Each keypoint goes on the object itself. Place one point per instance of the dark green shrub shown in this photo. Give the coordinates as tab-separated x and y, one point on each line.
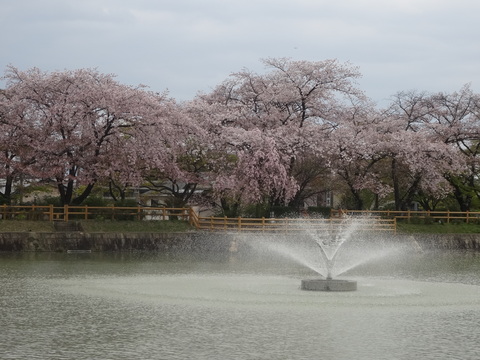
284	211
50	200
417	220
428	220
321	211
95	201
126	214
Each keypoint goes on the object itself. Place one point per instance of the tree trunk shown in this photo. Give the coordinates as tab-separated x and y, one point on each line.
81	198
462	191
7	193
464	199
396	186
358	200
65	195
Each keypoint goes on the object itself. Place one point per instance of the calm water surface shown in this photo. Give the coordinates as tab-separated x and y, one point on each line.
151	306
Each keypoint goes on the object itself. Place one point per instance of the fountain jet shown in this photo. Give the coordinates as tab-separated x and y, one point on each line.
329	245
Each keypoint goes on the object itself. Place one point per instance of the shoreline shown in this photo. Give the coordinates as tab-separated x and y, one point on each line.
190	240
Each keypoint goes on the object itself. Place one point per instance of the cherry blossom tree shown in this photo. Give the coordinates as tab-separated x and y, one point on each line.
455	119
272	138
448	120
356	151
13	157
418	165
260	172
419	160
390	153
190	162
268	121
80	125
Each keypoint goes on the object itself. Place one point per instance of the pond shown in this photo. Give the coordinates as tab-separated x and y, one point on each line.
197	306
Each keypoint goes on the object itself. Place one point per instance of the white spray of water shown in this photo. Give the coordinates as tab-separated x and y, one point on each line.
330	251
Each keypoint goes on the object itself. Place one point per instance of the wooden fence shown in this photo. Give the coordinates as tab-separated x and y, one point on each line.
67	213
439	216
291	224
376	220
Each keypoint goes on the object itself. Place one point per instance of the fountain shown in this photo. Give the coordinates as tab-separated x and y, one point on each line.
328	248
330	244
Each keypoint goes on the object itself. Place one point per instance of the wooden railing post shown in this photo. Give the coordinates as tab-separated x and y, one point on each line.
190	216
65	212
194	220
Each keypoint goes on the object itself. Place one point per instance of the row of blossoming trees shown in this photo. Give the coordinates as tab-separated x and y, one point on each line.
273	138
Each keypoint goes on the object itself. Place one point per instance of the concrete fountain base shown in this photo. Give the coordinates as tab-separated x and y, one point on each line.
328	285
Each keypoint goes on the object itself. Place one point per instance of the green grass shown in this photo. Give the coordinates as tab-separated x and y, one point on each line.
135	226
436	228
181	226
98	226
26	225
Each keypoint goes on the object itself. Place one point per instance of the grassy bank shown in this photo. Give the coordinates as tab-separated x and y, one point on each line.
180	226
436	228
98	226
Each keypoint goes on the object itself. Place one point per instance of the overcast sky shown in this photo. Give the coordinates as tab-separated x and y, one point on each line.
187	46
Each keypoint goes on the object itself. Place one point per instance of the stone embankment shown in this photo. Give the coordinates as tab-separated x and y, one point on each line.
97	242
196	241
